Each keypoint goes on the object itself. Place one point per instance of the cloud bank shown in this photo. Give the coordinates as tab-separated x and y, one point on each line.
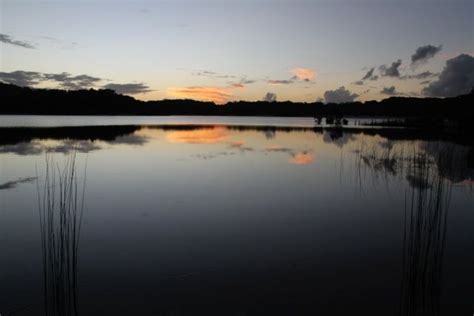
340	95
456	78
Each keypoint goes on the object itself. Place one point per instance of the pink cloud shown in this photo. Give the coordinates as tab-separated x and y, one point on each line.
306	74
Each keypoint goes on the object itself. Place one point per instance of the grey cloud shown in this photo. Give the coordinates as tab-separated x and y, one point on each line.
423	53
128	88
212	74
281	81
4	38
370	75
421	75
359	83
389	90
67	81
270	97
340	95
456	78
21	78
392	70
247	81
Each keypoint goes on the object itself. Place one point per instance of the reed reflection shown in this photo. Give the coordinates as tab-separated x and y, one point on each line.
61	207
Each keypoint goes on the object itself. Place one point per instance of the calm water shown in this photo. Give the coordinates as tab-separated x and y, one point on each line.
225	216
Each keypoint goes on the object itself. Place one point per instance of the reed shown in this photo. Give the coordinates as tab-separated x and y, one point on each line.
61	208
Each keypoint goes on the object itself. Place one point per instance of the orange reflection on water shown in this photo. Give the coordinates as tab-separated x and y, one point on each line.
198	136
301	158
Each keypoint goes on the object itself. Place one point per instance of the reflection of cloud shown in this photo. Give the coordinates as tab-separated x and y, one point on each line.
278	148
200	136
240	146
217	95
13	184
36	147
133	139
301	158
305	74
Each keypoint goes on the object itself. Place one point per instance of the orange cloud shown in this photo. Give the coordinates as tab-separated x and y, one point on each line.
199	136
217	95
304	73
302	158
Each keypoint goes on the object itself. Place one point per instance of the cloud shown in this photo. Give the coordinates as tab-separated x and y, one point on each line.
290	81
217	95
389	91
67	81
64	80
4	38
298	74
340	95
301	158
392	70
305	74
270	97
198	136
212	74
421	75
242	83
423	53
359	83
370	75
21	78
128	88
456	78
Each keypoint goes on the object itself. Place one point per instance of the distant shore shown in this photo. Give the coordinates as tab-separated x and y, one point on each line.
403	111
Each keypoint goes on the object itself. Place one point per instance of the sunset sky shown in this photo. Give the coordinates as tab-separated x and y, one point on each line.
241	50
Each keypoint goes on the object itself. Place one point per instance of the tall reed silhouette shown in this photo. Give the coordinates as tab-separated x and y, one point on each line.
426	214
61	207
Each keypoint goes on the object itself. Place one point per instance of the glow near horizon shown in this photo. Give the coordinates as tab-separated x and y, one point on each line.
173	47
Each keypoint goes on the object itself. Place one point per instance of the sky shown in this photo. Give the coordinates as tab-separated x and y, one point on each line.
230	50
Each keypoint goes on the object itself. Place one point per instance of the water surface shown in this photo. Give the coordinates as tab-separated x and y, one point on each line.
224	216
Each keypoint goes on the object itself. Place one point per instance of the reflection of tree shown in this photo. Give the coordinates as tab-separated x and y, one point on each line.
426	215
61	207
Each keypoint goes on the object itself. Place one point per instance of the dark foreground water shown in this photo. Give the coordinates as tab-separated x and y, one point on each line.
233	218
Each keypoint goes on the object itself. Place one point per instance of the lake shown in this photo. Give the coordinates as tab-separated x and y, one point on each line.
232	216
